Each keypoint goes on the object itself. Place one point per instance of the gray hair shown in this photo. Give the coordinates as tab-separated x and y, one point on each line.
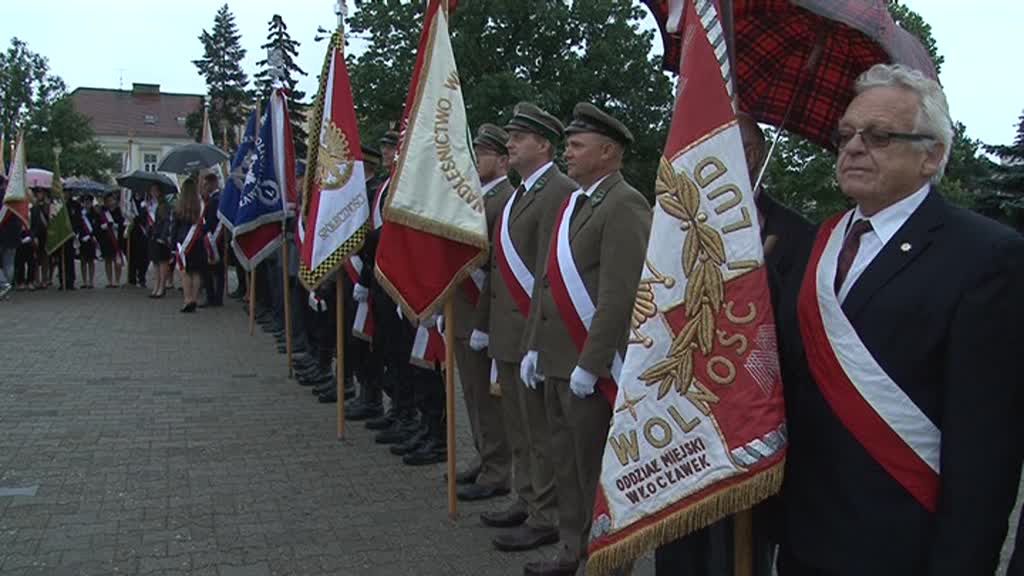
933	110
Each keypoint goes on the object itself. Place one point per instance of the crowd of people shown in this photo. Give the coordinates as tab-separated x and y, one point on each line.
930	290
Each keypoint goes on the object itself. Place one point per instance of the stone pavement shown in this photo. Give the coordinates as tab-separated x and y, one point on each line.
135	440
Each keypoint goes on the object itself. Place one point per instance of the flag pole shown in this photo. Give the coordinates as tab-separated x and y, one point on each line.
339	365
287	300
252	301
449	395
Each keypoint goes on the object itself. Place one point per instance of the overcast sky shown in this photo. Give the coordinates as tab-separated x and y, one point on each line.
111	43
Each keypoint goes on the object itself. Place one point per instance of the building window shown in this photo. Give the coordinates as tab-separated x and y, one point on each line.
181	120
149	162
149	119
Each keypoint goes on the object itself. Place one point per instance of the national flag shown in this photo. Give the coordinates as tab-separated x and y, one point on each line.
231	195
59	229
334	208
259	220
16	196
435	231
207	138
698	429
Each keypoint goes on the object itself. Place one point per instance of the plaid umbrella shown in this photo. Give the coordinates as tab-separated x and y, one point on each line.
796	60
801	57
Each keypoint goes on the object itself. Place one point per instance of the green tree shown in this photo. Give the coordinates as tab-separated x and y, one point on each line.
279	42
60	124
553	53
25	84
803	175
221	66
1007	178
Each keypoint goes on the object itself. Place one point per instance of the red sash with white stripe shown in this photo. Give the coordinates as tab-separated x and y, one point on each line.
570	293
110	226
428	348
185	248
210	240
876	411
87	223
517	276
362	325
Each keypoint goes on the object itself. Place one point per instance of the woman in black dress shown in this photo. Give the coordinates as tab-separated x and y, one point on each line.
84	223
187	232
158	219
109	231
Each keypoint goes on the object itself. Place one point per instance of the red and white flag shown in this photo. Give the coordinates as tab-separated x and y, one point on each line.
698	429
16	198
435	230
335	209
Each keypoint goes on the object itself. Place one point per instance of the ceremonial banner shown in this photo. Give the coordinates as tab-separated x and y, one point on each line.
335	210
207	138
16	198
260	215
435	231
698	429
59	230
227	208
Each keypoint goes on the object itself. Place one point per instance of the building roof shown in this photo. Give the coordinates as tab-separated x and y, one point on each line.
141	111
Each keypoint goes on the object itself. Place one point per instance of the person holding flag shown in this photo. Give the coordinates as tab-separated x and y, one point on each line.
519	246
14	217
579	318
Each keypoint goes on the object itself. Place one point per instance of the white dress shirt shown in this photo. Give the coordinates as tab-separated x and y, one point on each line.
484	189
884	225
590	191
530	180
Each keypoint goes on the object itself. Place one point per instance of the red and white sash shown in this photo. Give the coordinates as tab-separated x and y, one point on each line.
150	214
517	276
378	216
111	228
571	296
362	325
428	348
876	411
210	241
185	248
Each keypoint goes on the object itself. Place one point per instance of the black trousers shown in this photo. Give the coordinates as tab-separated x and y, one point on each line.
213	283
428	390
24	263
139	262
66	260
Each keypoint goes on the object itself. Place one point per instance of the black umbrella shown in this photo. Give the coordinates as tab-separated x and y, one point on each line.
84	186
189	158
140	181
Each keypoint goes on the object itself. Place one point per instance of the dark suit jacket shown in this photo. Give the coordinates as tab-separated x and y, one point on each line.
943	319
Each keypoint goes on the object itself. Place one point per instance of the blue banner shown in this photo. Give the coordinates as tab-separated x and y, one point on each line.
227	210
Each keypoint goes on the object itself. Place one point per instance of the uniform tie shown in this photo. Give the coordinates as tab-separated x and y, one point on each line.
517	196
849	251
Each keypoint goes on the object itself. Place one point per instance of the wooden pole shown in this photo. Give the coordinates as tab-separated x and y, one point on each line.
449	395
339	365
743	543
64	266
252	301
287	302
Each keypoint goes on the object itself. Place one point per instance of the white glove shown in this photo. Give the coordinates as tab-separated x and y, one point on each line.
440	324
398	310
317	304
528	370
582	382
360	293
479	340
429	322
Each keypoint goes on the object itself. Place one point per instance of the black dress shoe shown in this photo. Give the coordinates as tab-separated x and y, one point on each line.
551	568
475	492
382	422
509	518
315	380
430	452
411	445
362	411
324	388
467	476
328	398
526	538
398	432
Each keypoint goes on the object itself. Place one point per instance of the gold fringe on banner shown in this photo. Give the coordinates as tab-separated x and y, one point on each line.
727	502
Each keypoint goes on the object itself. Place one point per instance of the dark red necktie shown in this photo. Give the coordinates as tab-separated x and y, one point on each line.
849	250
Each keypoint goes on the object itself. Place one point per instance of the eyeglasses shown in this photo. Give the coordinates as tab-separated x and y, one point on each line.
874	137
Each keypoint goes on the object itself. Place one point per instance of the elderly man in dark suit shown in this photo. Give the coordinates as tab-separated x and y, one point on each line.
899	354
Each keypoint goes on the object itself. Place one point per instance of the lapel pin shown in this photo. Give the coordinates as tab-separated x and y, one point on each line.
905	247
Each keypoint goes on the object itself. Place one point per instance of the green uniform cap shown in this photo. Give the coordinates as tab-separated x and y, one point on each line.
492	137
528	117
589	118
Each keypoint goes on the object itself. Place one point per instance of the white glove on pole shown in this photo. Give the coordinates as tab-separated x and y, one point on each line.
316	304
479	340
582	382
360	293
528	370
429	322
440	324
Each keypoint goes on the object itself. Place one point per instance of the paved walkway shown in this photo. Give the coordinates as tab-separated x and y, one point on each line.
135	440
